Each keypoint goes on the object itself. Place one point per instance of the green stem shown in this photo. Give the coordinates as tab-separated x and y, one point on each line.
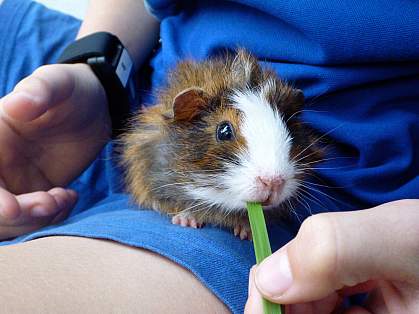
261	245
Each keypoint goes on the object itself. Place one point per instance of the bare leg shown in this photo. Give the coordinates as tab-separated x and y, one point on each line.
79	275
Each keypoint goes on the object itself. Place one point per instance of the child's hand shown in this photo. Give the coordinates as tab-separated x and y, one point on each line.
28	212
52	126
338	254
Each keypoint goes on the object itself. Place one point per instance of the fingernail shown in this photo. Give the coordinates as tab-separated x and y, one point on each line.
273	276
251	276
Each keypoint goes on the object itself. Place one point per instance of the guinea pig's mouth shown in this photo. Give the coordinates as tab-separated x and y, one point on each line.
269	190
266	205
269	199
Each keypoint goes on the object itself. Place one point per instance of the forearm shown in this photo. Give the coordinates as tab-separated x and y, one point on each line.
128	20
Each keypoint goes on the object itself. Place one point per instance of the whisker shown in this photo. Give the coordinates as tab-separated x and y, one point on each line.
188	209
325	194
304	157
323	185
325	168
311	174
327	159
300	200
170	184
301	111
294	211
318	139
204	170
313	198
320	160
312	101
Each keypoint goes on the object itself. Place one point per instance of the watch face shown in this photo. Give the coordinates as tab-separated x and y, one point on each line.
124	68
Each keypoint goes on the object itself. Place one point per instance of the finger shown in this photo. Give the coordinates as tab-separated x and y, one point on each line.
326	305
375	303
57	204
335	250
33	96
359	288
359	310
39	208
254	303
71	201
38	204
65	198
45	204
62	215
9	207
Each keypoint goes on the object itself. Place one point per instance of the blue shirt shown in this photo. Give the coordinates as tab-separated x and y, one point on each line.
357	63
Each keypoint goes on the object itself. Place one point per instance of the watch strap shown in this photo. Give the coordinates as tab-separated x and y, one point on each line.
113	66
100	44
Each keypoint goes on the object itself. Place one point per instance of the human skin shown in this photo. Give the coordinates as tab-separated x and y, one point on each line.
81	275
41	127
54	114
336	254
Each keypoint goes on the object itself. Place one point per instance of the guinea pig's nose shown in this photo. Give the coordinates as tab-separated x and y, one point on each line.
273	183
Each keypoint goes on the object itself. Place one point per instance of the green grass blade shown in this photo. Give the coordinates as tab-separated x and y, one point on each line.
261	245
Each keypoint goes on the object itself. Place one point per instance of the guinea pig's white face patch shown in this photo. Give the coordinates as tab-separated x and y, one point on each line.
265	155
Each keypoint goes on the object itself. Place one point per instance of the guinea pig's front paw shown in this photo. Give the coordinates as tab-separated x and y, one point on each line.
243	231
186	220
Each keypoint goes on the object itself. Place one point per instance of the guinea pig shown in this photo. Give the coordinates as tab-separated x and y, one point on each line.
225	131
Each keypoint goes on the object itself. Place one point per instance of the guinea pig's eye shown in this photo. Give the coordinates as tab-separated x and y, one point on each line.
225	131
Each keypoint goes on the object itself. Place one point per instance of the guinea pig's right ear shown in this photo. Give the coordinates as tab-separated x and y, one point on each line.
245	69
189	103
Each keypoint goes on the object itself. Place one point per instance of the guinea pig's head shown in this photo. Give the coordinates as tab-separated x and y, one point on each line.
243	142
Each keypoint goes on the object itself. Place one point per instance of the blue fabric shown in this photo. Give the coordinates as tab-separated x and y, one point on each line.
357	62
32	35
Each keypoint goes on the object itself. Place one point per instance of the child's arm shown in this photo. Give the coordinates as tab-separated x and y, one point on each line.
74	101
128	20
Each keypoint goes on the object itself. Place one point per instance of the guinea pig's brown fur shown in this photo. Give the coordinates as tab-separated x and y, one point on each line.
172	143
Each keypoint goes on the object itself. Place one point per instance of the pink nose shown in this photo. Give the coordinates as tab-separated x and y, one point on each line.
271	183
270	188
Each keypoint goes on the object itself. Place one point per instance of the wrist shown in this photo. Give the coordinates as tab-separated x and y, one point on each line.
114	68
90	96
138	32
90	76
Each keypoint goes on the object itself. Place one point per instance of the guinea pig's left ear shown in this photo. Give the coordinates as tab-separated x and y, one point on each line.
189	103
298	97
293	103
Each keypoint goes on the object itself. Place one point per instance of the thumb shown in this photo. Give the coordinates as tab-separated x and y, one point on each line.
336	250
47	87
33	96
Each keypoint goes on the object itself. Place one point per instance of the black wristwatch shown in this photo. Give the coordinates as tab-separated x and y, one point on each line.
113	66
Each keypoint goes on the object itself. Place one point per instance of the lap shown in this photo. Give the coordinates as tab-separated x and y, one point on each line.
53	269
75	274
